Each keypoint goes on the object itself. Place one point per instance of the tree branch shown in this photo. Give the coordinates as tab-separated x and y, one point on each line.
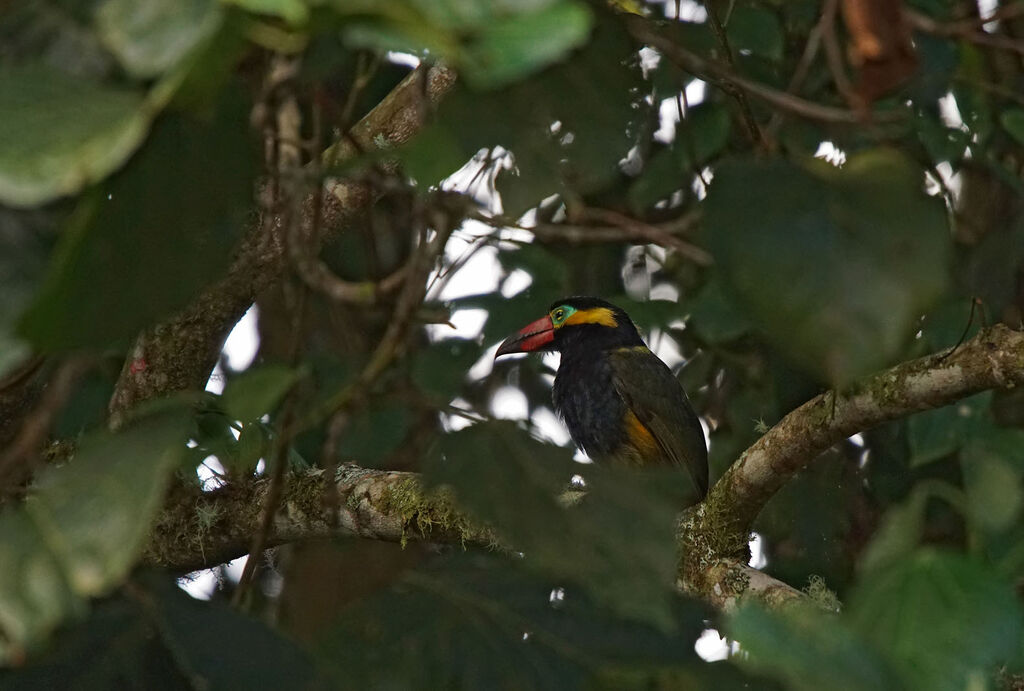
202	529
711	71
180	353
994	359
970	31
726	581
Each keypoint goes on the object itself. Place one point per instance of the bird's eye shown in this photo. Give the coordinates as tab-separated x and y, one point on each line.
559	315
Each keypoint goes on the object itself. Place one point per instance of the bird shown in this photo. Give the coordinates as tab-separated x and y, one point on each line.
619	401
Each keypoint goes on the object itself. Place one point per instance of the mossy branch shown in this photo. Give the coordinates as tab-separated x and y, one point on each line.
994	359
202	529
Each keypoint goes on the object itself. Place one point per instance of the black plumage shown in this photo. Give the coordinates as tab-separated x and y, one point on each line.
620	402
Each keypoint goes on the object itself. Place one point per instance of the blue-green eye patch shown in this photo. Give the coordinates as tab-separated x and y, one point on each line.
560	314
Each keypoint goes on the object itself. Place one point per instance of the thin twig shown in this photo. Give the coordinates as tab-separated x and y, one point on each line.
803	65
966	32
329	462
975	303
1006	11
711	71
390	345
18	461
270	503
615	227
21	373
683	100
741	98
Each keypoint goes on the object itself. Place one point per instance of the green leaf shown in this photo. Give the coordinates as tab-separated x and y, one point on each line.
899	532
253	444
510	49
152	36
943	143
715	317
157	637
835	266
34	592
504	315
951	321
440	369
808	649
224	648
617	544
992	480
59	133
295	12
940	617
934	434
94	513
374	433
491	44
473	622
145	243
82	529
24	245
257	391
756	31
661	177
973	103
1012	120
592	94
546	268
809	520
707	127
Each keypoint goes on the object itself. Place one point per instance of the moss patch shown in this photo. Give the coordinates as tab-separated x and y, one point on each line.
820	594
425	513
705	535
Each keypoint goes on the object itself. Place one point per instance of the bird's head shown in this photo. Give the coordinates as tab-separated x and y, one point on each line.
575	322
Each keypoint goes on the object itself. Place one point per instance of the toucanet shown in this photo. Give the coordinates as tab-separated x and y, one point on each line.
621	403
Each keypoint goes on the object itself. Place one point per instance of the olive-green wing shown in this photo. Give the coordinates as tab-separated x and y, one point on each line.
652	392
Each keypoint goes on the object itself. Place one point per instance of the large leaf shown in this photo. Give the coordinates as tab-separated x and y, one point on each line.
152	36
715	317
942	618
593	96
24	245
492	44
84	525
484	622
936	433
294	12
144	243
59	133
509	49
756	31
156	636
257	391
618	543
440	369
809	649
993	465
808	520
375	432
899	532
834	265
